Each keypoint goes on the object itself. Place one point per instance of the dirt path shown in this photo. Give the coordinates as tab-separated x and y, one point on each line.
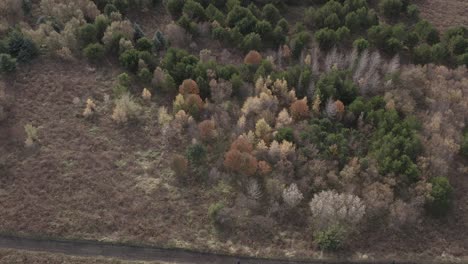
140	253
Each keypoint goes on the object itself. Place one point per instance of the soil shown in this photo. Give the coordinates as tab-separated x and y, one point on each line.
10	256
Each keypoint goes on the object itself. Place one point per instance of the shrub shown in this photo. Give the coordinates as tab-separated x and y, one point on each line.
194	10
125	109
144	44
214	210
337	85
196	153
94	52
330	208
7	63
159	42
20	47
214	14
439	53
240	162
122	5
110	8
145	75
264	28
326	38
395	143
292	196
343	34
284	133
207	130
299	43
332	21
441	195
300	109
463	59
101	23
175	7
391	8
271	13
412	11
464	145
189	86
179	165
187	24
90	108
87	34
427	32
331	238
422	54
361	44
253	58
252	41
262	129
129	59
146	95
31	135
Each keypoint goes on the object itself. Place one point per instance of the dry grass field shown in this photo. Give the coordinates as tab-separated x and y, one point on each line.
444	13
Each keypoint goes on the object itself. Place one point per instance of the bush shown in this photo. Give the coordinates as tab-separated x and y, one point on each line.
264	28
175	7
299	43
7	63
326	38
271	13
253	58
330	208
240	162
125	109
285	133
412	11
395	143
94	52
87	34
441	195
330	239
159	41
252	41
361	44
129	59
427	32
300	109
189	86
20	47
101	23
242	18
145	75
179	165
194	10
439	53
422	54
214	14
214	210
337	85
292	196
343	34
464	145
391	8
196	153
144	44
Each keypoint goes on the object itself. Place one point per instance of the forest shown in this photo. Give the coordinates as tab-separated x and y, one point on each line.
261	128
